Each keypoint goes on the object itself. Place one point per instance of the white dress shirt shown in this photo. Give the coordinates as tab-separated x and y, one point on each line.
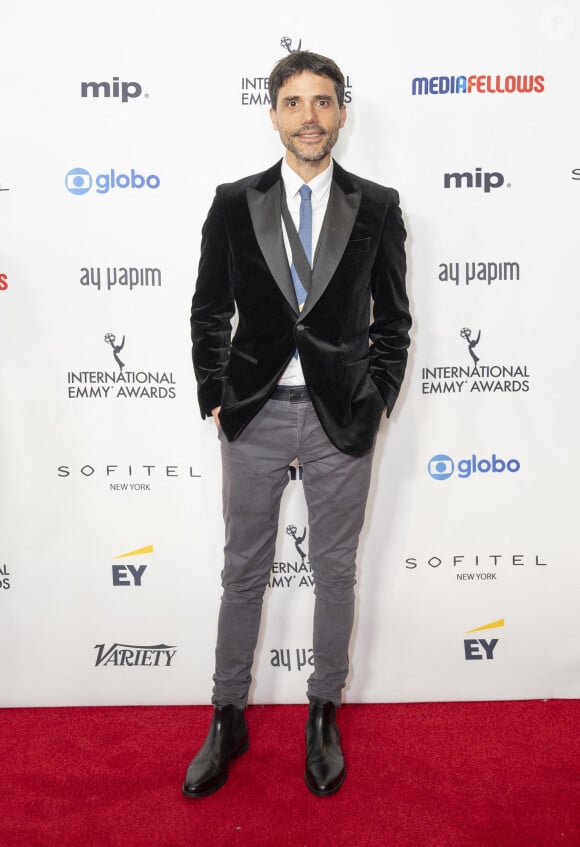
320	187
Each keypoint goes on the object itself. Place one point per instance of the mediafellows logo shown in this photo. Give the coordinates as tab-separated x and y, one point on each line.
479	84
482	648
118	90
441	466
79	181
3	282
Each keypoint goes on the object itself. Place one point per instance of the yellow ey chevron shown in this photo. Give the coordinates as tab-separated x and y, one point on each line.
139	552
493	625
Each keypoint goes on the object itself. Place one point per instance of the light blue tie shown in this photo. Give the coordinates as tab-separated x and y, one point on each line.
305	235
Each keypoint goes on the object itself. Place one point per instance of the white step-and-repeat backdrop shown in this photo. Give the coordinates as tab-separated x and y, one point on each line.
118	120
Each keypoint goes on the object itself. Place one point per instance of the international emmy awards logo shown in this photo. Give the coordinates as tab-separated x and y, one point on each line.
471	342
287	44
293	532
110	339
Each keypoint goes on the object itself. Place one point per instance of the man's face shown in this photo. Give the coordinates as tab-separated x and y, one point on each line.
308	118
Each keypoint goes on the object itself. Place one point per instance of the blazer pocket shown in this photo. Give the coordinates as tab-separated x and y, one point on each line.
235	351
358	245
362	360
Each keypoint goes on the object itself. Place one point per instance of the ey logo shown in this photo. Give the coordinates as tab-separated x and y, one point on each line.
478	648
130	575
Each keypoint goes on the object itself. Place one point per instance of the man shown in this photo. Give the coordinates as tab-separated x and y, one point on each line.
307	376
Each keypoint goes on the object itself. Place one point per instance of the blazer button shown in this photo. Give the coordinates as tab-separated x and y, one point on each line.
300	328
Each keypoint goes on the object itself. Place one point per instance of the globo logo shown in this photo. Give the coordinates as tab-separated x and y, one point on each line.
442	466
79	181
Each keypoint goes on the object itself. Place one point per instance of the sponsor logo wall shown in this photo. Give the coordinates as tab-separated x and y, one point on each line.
110	492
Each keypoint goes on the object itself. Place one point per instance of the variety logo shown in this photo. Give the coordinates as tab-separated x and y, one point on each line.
130	575
465	273
121	383
3	282
127	278
479	83
297	573
442	466
116	89
477	378
293	660
478	179
576	173
135	655
4	578
79	181
3	187
481	648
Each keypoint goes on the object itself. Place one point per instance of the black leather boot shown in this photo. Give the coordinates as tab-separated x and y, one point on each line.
325	768
226	740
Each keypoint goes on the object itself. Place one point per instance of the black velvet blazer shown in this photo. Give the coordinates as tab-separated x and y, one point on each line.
353	360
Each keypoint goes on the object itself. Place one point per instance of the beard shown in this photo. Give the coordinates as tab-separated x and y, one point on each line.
306	153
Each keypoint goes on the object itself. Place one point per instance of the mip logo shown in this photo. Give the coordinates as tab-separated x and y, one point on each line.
442	466
80	181
123	91
477	648
479	179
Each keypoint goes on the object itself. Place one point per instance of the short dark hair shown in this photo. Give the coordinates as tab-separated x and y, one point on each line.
304	60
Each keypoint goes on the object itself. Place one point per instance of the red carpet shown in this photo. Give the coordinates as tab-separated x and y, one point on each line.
419	775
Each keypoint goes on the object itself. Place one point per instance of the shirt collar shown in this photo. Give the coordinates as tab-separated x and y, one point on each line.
319	185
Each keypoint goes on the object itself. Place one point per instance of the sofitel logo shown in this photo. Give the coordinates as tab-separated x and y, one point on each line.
135	655
120	383
474	568
477	377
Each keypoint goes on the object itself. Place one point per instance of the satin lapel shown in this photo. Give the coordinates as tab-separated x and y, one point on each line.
338	224
264	209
